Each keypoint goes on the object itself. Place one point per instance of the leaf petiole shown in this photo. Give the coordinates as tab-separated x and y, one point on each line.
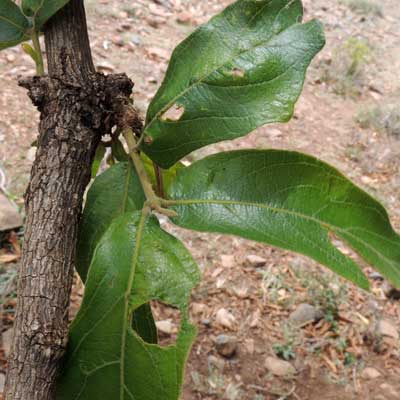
39	57
152	200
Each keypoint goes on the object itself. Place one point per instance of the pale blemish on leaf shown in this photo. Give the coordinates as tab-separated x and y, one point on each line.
174	113
238	72
148	140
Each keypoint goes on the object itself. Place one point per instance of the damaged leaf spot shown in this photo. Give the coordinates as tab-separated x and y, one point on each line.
341	245
237	72
148	140
174	113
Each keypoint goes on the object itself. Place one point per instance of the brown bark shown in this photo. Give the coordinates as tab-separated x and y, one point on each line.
75	105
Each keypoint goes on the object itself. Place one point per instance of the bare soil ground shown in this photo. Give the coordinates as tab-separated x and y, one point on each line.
351	120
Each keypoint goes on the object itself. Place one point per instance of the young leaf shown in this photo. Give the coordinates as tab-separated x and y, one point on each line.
243	69
289	200
28	49
98	157
42	10
113	193
135	262
168	175
118	151
13	24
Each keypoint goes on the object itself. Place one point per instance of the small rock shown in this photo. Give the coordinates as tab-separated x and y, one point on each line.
151	79
305	313
157	53
7	340
198	308
279	367
370	374
216	362
184	18
390	291
105	66
2	382
166	327
126	26
376	276
389	390
206	322
11	58
118	41
225	318
9	216
386	328
274	133
256	261
136	39
31	154
155	22
228	261
226	345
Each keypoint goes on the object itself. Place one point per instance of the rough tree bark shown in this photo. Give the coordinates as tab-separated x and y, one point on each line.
75	105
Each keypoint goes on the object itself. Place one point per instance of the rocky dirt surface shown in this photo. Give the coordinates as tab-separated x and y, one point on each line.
272	325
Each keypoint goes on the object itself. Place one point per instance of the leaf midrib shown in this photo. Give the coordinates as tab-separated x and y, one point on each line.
324	224
128	292
236	55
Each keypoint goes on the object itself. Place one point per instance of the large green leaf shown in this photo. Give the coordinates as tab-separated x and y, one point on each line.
42	10
113	193
13	24
243	69
289	200
135	262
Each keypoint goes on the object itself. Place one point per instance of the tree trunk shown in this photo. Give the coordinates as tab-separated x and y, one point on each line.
75	105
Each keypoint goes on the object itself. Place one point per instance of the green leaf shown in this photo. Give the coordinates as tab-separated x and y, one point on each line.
135	262
113	193
143	323
118	151
42	10
13	24
243	69
31	7
289	200
98	157
28	49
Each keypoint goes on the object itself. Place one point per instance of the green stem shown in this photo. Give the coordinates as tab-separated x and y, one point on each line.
153	201
38	50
